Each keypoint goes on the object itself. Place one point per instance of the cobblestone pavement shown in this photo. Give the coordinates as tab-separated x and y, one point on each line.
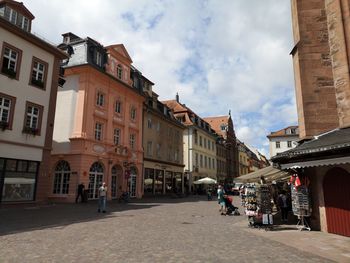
149	230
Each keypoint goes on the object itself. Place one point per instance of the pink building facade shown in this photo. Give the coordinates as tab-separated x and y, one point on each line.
98	125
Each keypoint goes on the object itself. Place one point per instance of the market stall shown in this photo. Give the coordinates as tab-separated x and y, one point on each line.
257	202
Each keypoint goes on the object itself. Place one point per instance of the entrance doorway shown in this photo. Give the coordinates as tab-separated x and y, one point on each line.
336	187
95	180
116	177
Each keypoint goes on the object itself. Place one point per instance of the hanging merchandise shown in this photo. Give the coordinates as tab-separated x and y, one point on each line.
258	206
301	205
297	182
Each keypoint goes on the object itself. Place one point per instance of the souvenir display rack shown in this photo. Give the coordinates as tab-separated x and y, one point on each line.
263	198
257	202
301	205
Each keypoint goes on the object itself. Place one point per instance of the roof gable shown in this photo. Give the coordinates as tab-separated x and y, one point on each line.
18	6
120	49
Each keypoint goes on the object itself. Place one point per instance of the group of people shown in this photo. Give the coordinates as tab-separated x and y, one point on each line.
102	196
282	202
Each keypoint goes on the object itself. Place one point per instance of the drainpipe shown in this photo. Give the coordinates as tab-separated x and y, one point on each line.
188	161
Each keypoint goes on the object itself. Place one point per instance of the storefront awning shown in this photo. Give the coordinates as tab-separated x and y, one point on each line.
331	161
270	174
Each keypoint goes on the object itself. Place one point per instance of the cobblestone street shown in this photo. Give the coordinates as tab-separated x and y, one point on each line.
149	230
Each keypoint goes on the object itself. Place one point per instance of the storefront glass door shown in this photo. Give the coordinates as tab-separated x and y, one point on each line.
132	182
95	180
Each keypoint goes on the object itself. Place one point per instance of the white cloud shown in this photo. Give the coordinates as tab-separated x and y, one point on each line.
218	55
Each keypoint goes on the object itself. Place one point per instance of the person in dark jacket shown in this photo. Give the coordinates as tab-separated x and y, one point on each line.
283	204
81	188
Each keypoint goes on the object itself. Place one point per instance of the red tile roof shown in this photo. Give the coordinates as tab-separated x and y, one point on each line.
216	122
282	132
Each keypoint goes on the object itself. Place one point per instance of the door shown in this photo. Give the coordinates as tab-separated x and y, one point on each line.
114	187
132	182
132	185
95	180
336	187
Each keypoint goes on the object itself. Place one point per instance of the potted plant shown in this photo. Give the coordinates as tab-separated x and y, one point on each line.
9	72
30	130
38	83
4	125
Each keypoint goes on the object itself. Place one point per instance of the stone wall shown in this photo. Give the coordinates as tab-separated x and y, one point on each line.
339	42
315	93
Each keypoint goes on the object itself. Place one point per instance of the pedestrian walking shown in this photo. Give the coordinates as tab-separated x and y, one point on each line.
283	206
102	198
221	200
81	188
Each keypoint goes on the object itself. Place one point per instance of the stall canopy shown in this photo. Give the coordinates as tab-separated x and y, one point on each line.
270	174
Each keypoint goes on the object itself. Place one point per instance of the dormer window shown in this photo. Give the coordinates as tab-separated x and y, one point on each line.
25	24
98	58
119	72
15	17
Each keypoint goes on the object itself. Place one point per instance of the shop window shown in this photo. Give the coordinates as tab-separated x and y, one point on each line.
62	177
149	181
19	180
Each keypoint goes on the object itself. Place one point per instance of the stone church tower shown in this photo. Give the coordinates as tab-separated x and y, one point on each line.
321	57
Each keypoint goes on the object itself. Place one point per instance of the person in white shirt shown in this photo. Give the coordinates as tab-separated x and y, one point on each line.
102	198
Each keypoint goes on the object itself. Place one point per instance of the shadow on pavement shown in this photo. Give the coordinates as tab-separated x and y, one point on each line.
36	217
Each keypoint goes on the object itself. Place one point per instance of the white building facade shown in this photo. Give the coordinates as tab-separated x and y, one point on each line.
29	76
283	140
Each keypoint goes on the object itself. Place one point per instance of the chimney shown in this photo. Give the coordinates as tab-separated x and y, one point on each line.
177	97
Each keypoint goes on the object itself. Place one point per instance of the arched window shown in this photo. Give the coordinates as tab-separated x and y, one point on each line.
62	176
95	179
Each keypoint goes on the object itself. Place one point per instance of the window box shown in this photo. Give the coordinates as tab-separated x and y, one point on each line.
37	83
30	130
9	72
4	125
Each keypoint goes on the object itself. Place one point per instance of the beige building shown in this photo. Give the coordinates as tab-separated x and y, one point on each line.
199	141
163	147
221	168
223	126
29	78
243	159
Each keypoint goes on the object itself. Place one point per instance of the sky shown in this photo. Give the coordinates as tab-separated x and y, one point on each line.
218	55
